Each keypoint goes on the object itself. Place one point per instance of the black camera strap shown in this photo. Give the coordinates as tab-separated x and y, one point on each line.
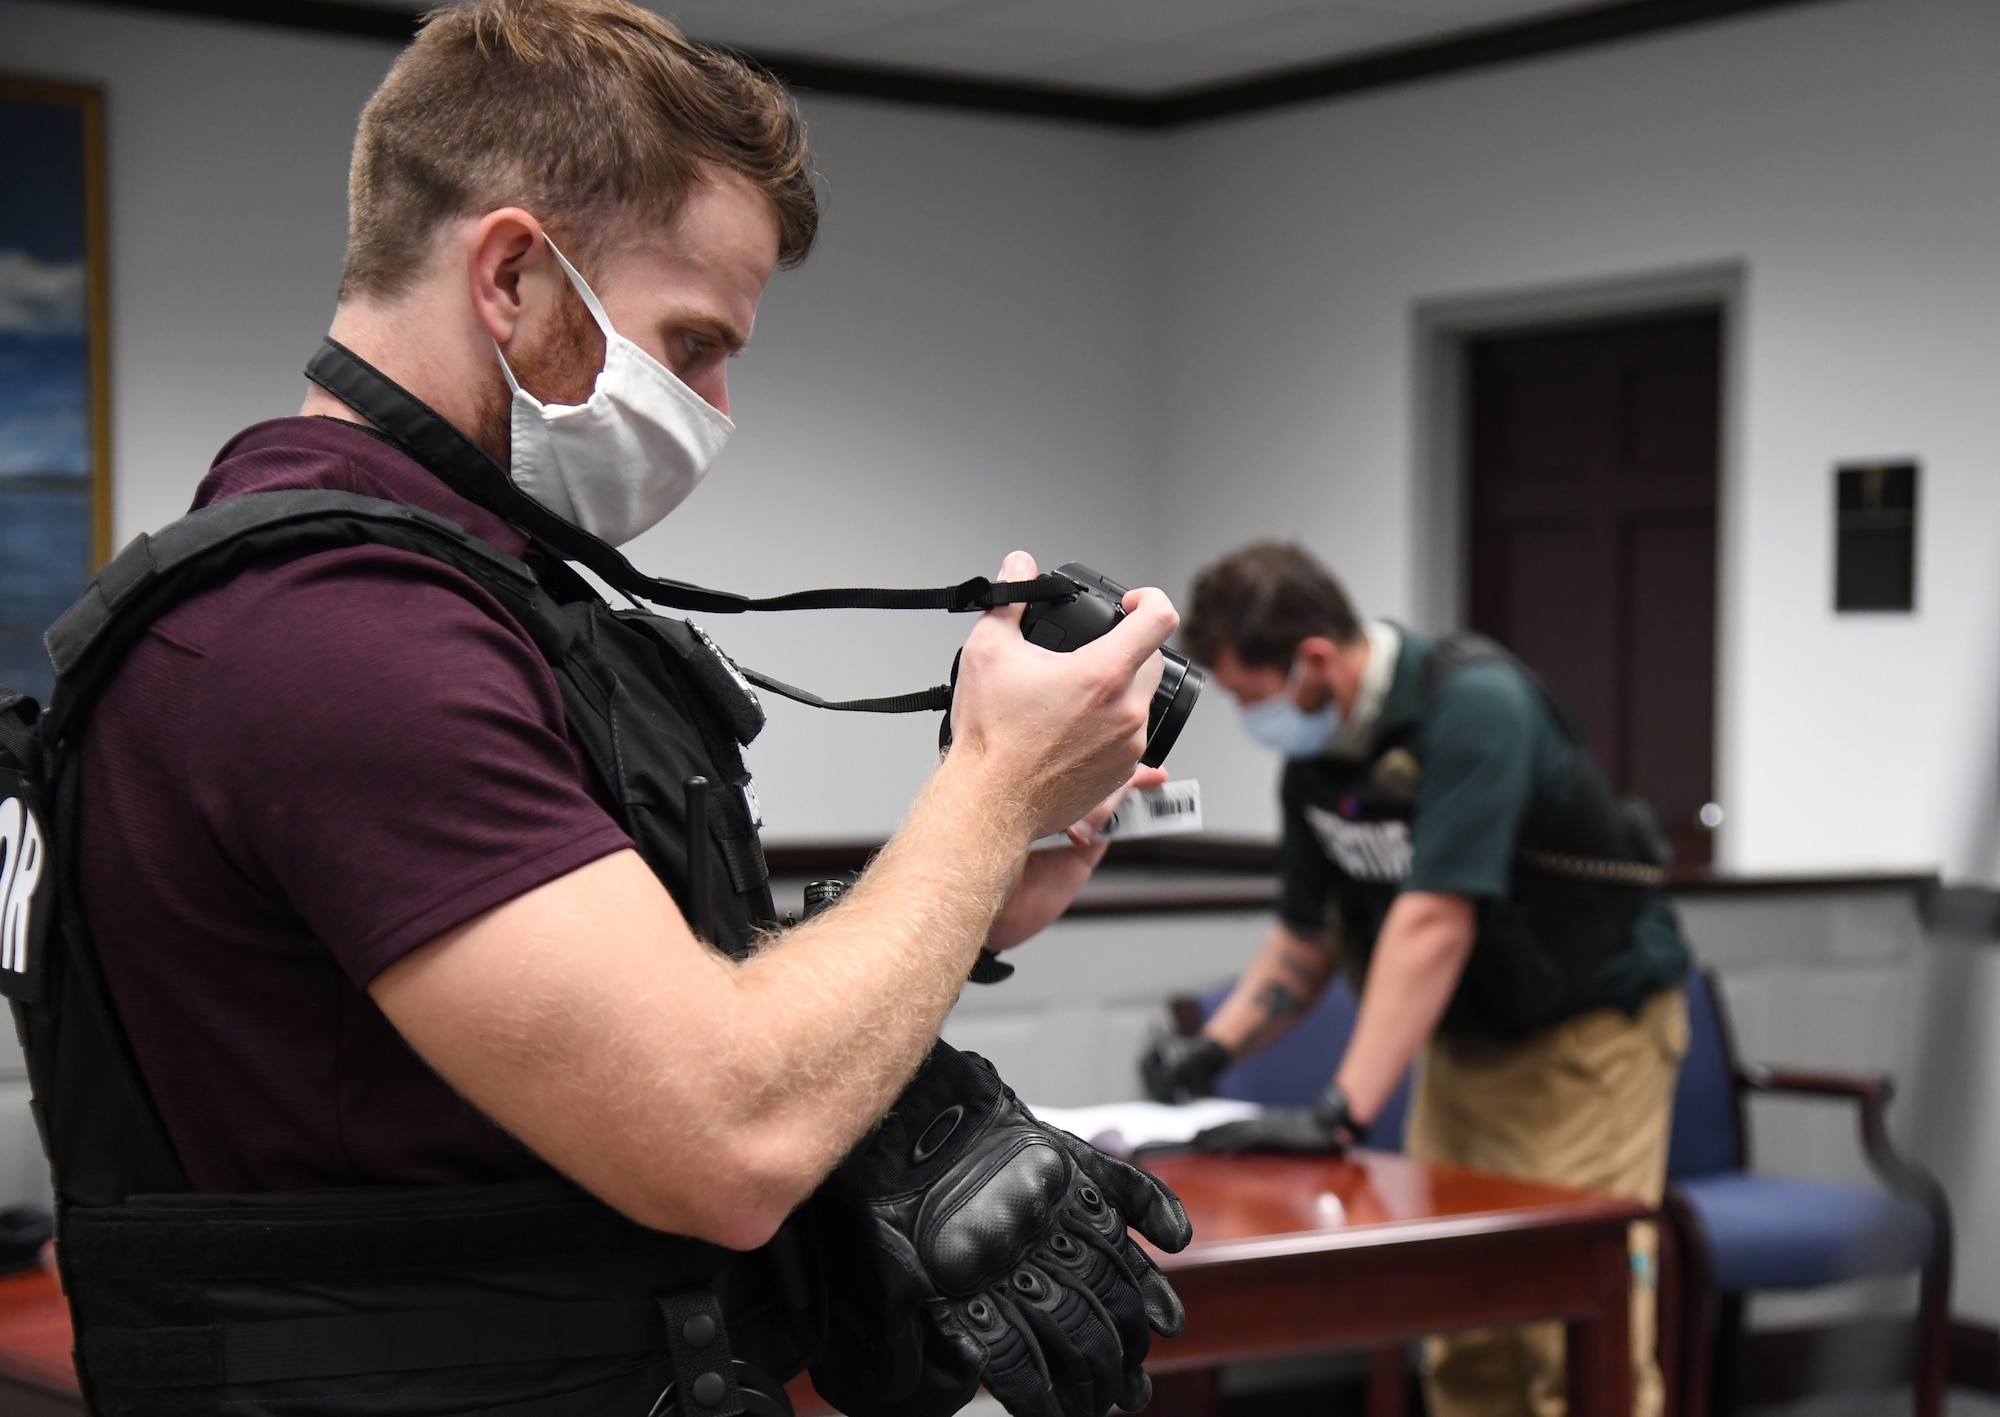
932	700
468	470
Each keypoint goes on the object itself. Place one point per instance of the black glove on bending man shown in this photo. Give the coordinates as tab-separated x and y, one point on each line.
1177	1069
969	1243
1326	1128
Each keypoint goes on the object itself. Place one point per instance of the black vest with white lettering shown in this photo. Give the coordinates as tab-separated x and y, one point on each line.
1572	898
533	1299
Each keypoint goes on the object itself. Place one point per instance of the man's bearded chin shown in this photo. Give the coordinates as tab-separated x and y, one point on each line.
560	368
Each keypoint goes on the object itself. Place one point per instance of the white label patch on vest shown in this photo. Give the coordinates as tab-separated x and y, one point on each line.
1367	851
23	857
736	674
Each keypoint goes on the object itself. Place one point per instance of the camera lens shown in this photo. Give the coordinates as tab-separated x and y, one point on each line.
1173	701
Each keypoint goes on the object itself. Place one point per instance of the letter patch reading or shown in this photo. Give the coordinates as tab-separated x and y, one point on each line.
1367	851
24	868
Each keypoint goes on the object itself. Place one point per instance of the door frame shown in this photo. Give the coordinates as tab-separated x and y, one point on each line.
1441	514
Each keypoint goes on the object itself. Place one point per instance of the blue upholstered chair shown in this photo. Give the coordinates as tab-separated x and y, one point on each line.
1738	1231
1295	1069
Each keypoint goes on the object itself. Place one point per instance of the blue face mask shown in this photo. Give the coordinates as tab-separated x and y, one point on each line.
1278	722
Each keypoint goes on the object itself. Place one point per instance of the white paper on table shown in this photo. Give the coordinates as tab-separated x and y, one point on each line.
1121	1128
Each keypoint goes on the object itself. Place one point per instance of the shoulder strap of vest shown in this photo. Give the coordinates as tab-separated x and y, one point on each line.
160	569
465	467
1635	817
100	1126
1462	650
112	1143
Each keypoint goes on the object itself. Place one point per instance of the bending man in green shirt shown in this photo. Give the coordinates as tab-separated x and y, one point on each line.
1449	841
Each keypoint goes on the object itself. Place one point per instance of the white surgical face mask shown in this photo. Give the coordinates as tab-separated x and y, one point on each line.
1278	722
619	462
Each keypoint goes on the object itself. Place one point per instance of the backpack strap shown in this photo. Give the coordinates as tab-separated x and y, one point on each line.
1636	817
1451	653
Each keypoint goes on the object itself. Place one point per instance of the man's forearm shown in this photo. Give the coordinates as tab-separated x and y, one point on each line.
709	1097
1418	958
1284	979
853	1000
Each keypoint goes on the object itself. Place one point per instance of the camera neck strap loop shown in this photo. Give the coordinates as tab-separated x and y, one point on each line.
470	471
933	700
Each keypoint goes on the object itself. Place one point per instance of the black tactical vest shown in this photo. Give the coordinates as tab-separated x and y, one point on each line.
528	1300
1572	899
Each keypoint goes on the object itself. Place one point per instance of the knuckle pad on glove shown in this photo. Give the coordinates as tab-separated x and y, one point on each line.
983	1226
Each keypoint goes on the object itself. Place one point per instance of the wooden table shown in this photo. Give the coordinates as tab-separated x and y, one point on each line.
1291	1256
35	1373
1297	1255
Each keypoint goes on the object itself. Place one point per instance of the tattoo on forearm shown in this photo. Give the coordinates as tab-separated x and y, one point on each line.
1276	1002
1307	974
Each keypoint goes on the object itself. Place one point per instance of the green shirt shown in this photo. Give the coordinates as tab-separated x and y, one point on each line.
1494	771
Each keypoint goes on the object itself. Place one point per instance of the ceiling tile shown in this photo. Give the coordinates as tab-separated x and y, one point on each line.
1138	47
789	27
1305	35
1140	22
1442	17
973	43
1147	70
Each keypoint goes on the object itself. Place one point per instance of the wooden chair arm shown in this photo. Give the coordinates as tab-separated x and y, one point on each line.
1871	1092
1869	1089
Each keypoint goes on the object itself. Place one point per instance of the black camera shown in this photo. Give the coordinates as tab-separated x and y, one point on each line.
1078	619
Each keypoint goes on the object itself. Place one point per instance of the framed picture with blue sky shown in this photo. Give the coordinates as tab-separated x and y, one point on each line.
55	438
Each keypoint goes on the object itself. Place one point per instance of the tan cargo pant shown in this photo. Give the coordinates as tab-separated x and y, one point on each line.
1585	1103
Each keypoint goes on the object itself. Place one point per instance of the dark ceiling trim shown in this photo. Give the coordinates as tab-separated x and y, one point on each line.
942	91
324	16
1576	29
1481	49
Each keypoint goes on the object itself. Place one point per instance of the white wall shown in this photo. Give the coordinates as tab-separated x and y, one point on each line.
1143	350
1842	153
960	368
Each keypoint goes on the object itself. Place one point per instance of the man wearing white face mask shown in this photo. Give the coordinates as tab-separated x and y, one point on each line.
624	458
1449	841
431	966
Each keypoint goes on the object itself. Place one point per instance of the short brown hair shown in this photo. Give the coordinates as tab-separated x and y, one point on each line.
583	112
1261	602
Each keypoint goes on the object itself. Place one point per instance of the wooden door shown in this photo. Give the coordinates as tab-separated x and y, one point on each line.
1594	453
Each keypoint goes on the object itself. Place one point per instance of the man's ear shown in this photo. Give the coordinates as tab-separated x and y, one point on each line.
1317	654
513	277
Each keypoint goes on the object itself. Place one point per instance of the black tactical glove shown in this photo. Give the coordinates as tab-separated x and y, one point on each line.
1176	1069
969	1243
1326	1128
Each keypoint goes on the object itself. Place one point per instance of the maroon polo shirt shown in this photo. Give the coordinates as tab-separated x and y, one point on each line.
297	778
